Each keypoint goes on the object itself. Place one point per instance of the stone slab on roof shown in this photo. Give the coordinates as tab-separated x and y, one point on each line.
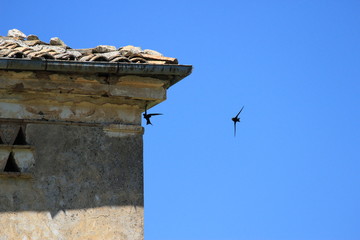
19	45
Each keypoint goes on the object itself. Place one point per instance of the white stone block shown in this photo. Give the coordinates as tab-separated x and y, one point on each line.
24	159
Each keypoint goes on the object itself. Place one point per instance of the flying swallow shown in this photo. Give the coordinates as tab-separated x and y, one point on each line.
236	119
148	116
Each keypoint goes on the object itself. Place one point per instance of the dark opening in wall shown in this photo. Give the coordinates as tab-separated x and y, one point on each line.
1	141
20	138
11	165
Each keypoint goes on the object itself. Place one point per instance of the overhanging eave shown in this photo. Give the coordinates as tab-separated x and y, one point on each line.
172	73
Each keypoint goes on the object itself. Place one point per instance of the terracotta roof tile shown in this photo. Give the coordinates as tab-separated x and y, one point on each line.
18	45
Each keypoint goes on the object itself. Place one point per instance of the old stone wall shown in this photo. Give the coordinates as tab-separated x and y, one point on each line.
71	164
84	184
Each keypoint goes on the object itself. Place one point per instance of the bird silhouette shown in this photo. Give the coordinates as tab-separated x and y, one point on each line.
236	119
148	116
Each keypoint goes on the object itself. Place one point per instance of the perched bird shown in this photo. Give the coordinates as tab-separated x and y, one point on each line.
148	116
236	119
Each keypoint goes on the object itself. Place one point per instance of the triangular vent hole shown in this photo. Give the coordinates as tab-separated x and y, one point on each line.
20	138
11	165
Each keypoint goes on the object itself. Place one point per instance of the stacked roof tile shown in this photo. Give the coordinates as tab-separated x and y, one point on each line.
18	45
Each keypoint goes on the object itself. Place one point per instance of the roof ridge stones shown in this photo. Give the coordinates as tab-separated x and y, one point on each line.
18	45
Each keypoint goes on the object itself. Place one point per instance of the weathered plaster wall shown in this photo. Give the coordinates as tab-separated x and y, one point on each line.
86	185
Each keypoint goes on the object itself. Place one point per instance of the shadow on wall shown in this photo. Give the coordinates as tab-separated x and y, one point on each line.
50	167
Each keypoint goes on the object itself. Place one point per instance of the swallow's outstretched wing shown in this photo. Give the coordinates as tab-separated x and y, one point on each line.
145	109
154	114
234	128
237	115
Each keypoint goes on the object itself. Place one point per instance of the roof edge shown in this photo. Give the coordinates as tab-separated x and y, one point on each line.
177	71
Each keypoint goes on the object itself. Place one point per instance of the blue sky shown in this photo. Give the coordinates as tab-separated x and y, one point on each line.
292	172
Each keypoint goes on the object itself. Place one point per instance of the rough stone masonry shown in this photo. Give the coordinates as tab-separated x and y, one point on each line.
71	146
